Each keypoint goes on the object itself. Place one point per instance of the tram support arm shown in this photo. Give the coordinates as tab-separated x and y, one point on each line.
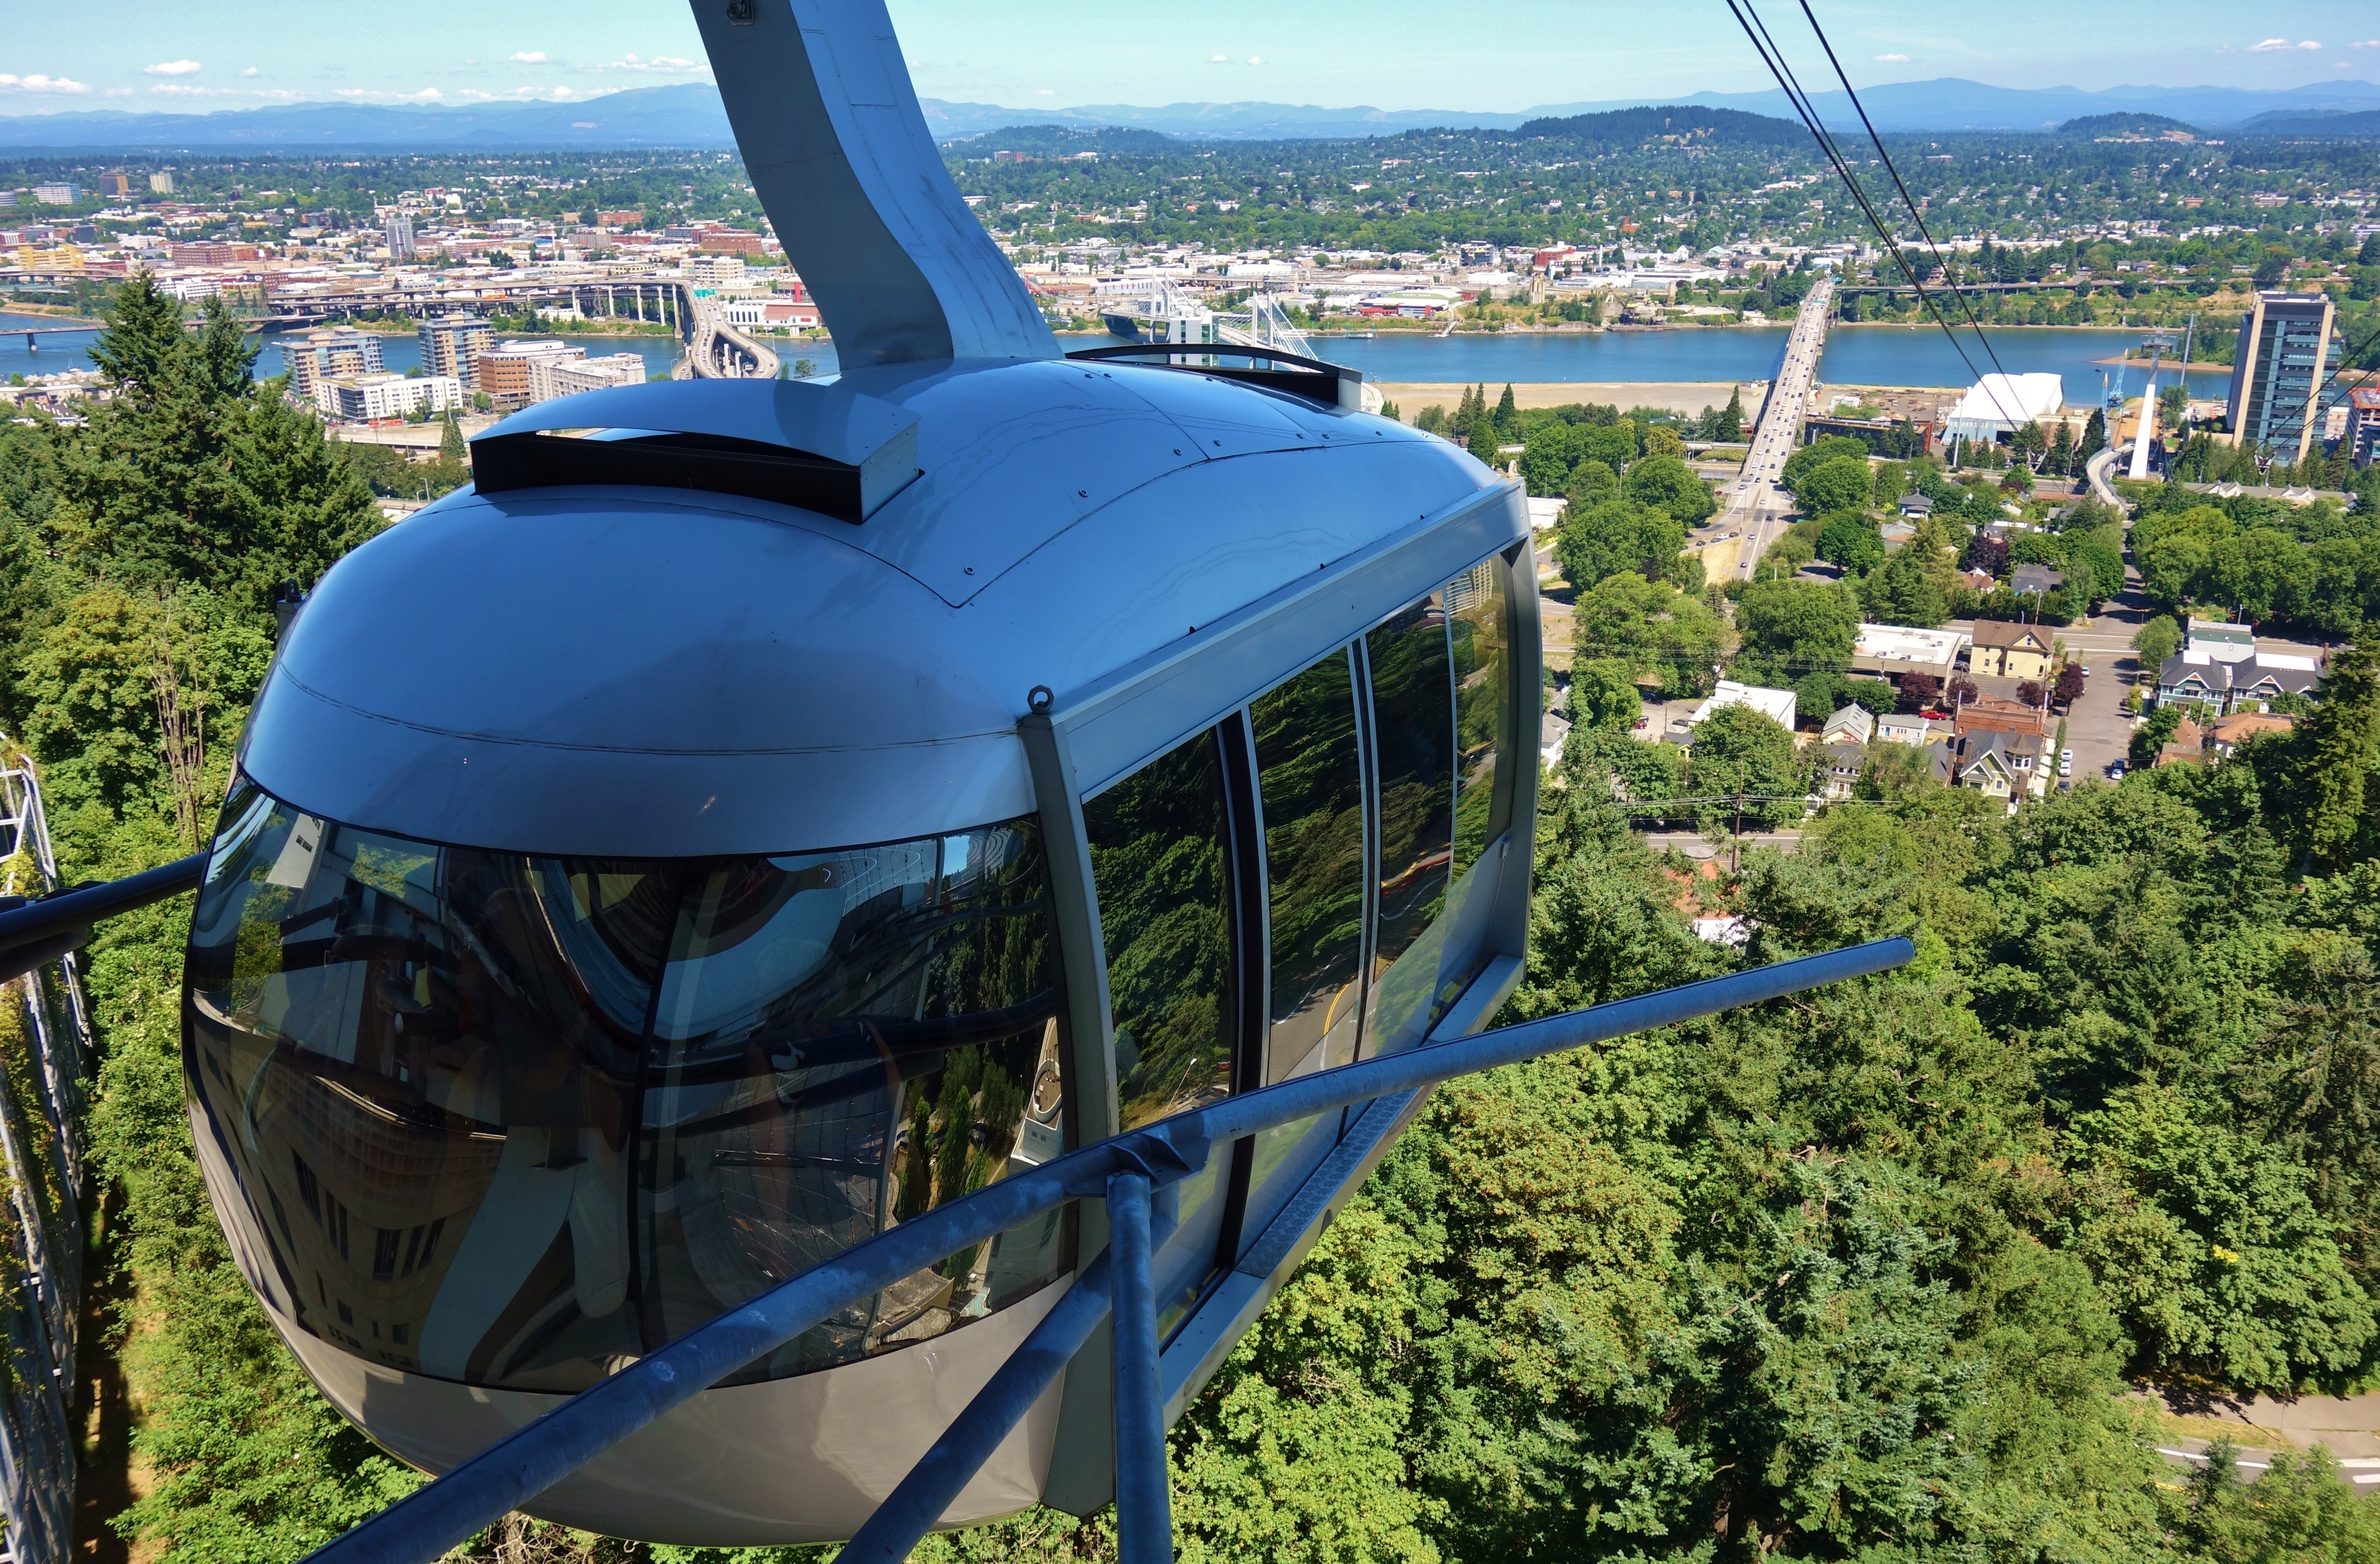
38	930
1144	1507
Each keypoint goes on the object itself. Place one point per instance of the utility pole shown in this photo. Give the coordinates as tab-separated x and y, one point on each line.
1736	860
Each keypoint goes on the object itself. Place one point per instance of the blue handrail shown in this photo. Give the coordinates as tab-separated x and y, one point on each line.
1124	1169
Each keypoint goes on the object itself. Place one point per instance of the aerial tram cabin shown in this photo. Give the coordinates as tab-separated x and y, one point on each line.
759	812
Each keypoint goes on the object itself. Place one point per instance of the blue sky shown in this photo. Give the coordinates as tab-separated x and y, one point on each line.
1389	53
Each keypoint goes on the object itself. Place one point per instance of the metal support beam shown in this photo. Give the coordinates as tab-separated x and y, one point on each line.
1144	1505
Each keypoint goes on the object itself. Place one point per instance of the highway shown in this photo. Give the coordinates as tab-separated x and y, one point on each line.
1758	510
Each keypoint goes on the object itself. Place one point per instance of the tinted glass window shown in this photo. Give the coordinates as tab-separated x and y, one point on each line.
1159	864
1310	780
1482	705
1157	860
1412	726
511	1120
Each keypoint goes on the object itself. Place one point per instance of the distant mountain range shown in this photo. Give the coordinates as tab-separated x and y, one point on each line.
688	115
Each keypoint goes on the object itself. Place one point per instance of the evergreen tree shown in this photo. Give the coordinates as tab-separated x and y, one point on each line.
2332	754
1508	417
450	442
1730	424
2094	436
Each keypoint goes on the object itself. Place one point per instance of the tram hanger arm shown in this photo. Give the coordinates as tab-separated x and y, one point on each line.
34	932
519	1467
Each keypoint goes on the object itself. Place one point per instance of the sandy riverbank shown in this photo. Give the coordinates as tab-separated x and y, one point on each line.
1683	397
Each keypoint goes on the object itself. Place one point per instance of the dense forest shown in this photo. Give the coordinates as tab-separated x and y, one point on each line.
1879	1272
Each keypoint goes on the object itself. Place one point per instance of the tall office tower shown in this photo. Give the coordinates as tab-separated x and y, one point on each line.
2283	340
160	183
449	344
399	229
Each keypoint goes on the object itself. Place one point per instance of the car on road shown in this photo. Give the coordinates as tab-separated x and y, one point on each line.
2086	670
2116	769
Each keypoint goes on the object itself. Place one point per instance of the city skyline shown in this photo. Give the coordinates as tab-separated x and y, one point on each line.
1068	53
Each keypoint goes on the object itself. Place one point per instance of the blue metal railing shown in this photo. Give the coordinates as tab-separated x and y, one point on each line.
1130	1172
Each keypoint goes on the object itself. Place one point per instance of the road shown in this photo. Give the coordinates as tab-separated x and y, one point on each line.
1758	510
2098	469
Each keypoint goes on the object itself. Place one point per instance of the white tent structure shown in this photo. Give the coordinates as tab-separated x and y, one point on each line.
1999	404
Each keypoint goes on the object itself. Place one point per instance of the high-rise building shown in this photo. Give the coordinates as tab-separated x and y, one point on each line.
325	356
115	183
399	232
2283	340
160	183
57	193
450	343
2362	440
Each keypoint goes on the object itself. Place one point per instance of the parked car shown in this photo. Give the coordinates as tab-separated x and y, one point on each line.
2116	770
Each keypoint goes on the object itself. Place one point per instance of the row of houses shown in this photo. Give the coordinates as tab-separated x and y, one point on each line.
2219	670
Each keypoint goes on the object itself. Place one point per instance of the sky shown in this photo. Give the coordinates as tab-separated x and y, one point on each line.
191	55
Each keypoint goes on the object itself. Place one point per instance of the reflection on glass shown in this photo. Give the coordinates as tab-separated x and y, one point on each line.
1157	860
1310	779
514	1120
1414	732
1413	728
1483	705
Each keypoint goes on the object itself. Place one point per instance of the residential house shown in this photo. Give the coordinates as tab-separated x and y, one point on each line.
2007	651
1915	732
2187	745
1838	769
2226	735
2193	676
1915	507
2004	765
2037	579
1852	724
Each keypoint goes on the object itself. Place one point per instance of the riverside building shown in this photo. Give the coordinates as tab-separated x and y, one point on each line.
2283	340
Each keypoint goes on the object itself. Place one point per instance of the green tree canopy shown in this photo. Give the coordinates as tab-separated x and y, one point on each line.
1843	483
1656	630
1793	627
1850	539
1602	540
1666	482
1737	749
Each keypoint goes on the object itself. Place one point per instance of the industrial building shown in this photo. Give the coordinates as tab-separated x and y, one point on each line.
2283	340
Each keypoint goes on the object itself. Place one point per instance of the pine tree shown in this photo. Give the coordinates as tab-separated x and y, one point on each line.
1508	416
2094	436
2332	753
449	443
1731	418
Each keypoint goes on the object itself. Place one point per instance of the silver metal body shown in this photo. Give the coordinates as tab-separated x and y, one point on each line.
635	672
1011	580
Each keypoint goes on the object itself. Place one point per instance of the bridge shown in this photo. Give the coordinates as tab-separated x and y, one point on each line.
717	350
1759	508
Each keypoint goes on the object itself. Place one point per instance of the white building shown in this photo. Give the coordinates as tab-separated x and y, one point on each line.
568	377
1895	650
354	399
1776	704
398	231
1999	404
58	193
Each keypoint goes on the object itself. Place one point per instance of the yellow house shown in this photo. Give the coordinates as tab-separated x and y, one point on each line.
2011	651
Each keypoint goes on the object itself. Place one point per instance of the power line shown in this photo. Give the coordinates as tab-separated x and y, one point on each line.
1757	33
1919	216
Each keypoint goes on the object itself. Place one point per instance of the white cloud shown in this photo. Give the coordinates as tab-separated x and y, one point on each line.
1893	59
665	65
1255	59
176	90
427	95
172	67
1218	59
2309	44
2269	46
37	82
527	58
2365	44
1045	92
252	71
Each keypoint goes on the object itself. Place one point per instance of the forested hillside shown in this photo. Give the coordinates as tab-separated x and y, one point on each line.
1873	1273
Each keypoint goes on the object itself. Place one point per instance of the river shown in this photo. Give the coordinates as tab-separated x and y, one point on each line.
1865	355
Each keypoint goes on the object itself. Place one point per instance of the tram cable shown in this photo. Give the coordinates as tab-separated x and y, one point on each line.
1757	32
1915	213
